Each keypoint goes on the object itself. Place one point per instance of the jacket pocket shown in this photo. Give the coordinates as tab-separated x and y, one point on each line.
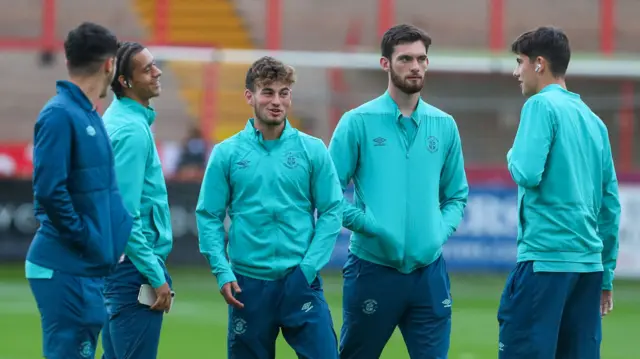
241	246
161	222
97	246
521	217
444	229
384	243
151	231
121	224
88	180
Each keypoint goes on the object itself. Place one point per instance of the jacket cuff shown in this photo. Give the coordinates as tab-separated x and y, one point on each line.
225	278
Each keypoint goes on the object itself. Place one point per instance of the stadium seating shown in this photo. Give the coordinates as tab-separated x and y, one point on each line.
211	23
324	26
307	25
27	86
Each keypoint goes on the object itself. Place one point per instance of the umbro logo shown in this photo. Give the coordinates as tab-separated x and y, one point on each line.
307	307
379	141
243	163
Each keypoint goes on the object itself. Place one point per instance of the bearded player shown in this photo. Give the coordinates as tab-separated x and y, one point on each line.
405	160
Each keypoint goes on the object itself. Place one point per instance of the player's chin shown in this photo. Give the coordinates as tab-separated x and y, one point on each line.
411	89
155	86
275	120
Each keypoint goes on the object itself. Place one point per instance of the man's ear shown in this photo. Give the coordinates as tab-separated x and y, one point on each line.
110	65
540	64
248	96
385	64
123	81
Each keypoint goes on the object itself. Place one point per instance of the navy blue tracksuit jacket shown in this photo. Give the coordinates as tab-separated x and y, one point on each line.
84	226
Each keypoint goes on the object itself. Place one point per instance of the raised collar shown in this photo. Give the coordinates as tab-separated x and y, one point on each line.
134	107
558	88
255	134
64	86
420	108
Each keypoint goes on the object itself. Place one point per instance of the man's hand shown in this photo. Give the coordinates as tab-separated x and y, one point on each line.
606	302
163	298
228	291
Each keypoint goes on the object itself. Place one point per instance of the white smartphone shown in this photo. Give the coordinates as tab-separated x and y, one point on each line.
147	296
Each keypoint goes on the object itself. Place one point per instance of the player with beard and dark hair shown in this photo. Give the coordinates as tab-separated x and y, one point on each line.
405	159
283	197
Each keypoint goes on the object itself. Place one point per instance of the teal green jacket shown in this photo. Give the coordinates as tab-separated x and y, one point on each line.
142	185
270	191
568	203
410	191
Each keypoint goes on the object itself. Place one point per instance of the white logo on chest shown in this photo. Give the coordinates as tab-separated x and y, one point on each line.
91	131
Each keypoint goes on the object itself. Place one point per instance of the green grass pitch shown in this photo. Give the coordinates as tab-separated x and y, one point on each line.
198	323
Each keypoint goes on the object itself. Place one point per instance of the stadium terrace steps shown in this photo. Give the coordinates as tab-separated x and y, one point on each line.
209	23
118	16
20	19
232	110
453	24
27	86
199	22
23	92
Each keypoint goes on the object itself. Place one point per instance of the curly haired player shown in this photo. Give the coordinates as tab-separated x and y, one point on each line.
271	178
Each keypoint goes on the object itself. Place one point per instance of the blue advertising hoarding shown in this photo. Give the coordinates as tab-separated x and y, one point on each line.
484	241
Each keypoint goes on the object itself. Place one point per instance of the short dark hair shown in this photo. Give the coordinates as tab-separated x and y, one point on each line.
402	34
124	58
550	43
267	70
87	47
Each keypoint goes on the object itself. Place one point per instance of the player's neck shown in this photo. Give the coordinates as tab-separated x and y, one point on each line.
552	81
90	86
269	132
406	102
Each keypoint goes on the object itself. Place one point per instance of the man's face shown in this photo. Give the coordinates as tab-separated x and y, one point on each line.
145	76
110	71
526	74
270	102
407	67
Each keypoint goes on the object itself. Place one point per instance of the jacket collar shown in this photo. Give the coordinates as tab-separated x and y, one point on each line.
421	108
556	87
255	134
136	108
68	87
